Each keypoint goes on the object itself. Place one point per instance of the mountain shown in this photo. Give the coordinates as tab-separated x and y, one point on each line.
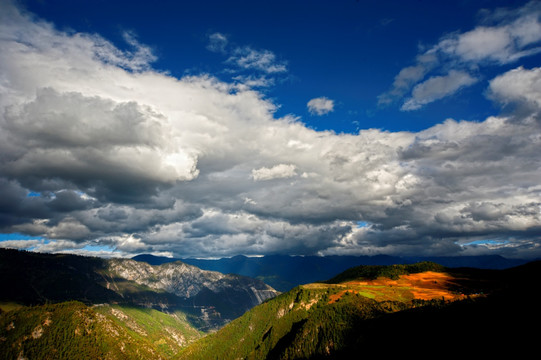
423	310
285	272
227	296
68	306
73	330
211	299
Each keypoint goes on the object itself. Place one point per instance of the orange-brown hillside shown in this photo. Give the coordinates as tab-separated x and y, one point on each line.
422	286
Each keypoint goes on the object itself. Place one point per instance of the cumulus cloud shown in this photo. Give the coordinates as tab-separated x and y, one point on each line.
202	167
513	36
320	106
502	37
519	85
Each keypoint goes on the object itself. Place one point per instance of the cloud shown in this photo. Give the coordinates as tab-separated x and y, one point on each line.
253	81
437	87
202	167
503	37
407	77
217	42
279	171
20	244
141	57
495	44
249	67
519	85
261	60
90	141
320	106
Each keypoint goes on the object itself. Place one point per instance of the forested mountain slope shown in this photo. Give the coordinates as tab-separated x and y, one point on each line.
423	310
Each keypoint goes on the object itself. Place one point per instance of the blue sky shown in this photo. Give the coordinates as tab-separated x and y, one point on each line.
216	128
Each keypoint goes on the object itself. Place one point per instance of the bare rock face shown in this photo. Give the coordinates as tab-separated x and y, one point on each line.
178	278
229	295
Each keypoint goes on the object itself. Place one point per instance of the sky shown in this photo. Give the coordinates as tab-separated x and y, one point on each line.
212	129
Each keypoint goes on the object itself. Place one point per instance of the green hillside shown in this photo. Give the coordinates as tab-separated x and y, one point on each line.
72	330
297	324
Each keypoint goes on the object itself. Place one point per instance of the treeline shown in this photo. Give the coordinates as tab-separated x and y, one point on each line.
59	331
72	330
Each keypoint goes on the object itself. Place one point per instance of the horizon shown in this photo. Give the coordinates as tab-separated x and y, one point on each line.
285	128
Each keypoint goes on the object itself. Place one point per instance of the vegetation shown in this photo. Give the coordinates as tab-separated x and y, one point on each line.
61	331
165	333
72	330
298	324
34	278
365	311
335	321
387	271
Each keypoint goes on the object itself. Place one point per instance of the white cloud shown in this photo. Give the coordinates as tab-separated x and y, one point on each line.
481	44
513	36
250	68
407	77
504	37
279	171
437	87
320	106
261	60
518	86
503	44
20	244
142	56
253	81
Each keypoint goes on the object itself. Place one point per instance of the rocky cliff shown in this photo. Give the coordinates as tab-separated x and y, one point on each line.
225	296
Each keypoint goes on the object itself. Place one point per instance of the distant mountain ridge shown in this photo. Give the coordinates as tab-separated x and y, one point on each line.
285	272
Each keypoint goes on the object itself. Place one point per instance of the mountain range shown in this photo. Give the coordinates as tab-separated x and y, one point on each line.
284	272
210	298
75	307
